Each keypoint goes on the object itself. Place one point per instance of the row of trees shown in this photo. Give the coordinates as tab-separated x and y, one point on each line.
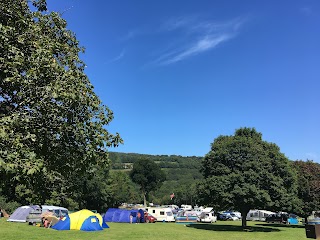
120	160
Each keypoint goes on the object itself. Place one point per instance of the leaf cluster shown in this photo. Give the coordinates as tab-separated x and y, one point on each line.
147	174
244	172
52	124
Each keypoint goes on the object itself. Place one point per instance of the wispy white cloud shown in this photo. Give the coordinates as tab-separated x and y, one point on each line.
184	37
202	36
117	58
204	44
176	23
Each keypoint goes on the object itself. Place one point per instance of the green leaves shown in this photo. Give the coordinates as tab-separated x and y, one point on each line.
51	120
244	172
147	174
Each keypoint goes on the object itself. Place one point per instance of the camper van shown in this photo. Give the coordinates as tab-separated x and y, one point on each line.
258	215
162	214
35	217
186	207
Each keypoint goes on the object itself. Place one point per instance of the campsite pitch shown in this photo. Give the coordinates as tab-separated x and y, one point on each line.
158	231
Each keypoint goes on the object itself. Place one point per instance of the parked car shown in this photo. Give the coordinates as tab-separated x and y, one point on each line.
207	217
224	217
149	218
235	217
277	218
35	217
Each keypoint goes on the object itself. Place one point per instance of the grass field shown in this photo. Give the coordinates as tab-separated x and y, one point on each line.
157	231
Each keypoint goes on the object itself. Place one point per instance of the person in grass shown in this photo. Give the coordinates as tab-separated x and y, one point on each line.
138	217
131	218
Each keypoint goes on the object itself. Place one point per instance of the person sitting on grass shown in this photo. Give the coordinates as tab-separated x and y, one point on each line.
46	223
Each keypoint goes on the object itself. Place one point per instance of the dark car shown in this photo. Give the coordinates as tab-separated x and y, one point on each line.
223	217
277	218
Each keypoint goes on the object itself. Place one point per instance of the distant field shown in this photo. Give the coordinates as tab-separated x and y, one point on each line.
159	231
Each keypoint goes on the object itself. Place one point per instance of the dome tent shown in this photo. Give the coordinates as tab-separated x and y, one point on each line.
122	215
84	220
21	213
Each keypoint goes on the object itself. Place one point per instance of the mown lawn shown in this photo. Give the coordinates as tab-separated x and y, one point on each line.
157	231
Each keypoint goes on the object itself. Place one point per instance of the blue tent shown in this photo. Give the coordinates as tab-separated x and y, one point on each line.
84	220
108	217
90	224
63	224
122	215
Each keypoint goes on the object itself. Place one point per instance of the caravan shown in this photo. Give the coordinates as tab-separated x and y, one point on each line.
162	214
186	207
258	215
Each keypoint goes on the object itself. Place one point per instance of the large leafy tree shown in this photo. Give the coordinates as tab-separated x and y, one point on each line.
308	186
104	189
148	175
243	172
52	124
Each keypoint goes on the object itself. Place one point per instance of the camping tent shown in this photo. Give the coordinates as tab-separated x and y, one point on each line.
122	215
21	213
84	220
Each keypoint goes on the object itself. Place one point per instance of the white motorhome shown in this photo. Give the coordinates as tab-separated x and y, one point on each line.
258	215
162	214
186	207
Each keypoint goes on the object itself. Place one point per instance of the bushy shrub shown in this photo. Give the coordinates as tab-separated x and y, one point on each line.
9	207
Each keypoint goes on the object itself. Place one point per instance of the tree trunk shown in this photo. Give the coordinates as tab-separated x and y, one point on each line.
244	214
144	199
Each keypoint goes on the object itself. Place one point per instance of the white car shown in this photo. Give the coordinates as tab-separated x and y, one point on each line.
234	217
207	217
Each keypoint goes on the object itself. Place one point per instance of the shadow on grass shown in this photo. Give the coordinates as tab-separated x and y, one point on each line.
232	228
279	225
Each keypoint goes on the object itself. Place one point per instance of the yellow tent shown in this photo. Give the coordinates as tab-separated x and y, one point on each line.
82	220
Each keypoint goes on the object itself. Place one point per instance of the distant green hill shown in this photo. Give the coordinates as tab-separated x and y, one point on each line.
181	174
124	160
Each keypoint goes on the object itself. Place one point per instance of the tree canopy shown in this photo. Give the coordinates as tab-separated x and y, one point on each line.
52	124
148	175
308	186
243	172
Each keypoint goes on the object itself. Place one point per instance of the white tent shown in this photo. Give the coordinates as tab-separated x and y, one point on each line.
21	213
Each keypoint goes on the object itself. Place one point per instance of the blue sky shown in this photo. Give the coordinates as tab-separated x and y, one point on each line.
177	74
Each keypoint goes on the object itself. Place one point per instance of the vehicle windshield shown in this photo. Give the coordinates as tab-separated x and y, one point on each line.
57	213
169	213
64	213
